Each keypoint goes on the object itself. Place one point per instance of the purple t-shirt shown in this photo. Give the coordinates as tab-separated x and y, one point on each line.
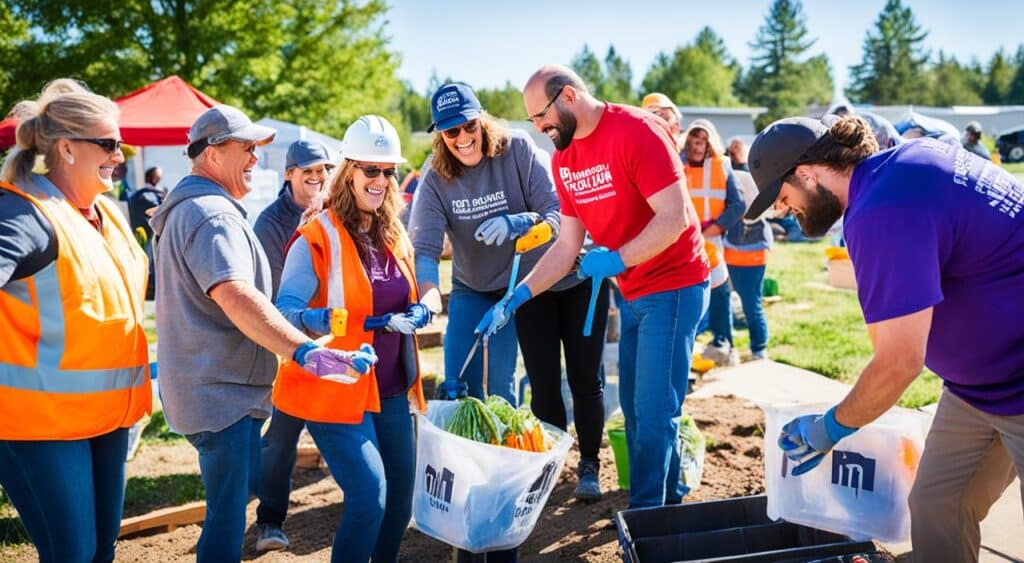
931	225
390	295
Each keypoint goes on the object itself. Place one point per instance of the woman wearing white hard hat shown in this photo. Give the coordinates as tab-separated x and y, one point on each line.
355	257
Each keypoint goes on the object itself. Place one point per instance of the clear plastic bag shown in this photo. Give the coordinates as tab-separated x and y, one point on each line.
480	497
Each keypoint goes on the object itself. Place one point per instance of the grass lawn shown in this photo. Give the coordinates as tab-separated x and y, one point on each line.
821	329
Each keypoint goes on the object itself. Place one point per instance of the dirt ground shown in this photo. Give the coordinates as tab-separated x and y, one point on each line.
568	530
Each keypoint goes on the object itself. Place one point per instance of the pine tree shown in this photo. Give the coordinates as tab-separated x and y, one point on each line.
695	75
893	69
999	77
618	79
780	77
952	83
588	67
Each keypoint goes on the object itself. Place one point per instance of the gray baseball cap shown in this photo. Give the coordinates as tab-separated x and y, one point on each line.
303	154
223	123
775	153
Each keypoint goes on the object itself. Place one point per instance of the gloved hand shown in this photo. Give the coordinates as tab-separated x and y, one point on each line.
379	322
317	320
806	439
497	316
449	390
415	317
496	230
601	263
338	365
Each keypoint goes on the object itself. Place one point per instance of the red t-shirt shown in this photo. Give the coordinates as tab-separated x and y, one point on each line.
604	180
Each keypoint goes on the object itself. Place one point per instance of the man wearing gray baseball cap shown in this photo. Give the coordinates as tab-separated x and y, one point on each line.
936	236
219	331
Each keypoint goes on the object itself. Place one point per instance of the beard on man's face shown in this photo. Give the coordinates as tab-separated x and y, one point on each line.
821	211
566	128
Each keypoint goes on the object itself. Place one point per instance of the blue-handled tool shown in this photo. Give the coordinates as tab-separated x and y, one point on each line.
595	289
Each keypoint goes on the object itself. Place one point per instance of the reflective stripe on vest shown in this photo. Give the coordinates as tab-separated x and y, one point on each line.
709	195
335	283
74	362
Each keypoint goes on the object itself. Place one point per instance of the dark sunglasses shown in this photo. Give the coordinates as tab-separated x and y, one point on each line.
469	127
374	171
109	145
541	113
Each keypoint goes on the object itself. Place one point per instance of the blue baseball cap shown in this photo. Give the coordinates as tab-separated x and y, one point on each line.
303	154
452	105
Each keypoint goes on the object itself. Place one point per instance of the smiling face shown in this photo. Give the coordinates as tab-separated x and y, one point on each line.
551	116
816	208
370	192
467	143
90	167
307	183
231	163
697	145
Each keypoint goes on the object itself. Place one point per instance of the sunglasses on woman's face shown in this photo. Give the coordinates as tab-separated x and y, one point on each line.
374	171
469	127
109	145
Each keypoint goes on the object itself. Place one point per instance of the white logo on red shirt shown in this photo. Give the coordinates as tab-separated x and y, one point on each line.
590	184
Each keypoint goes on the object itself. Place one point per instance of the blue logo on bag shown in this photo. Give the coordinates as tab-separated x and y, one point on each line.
439	487
853	470
530	500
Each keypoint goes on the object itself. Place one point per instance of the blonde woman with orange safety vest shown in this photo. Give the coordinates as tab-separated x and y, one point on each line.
355	257
719	205
73	364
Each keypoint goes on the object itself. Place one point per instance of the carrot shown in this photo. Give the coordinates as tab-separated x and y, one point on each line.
528	441
538	437
510	440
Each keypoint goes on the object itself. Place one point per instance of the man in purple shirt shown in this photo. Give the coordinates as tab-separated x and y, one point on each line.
936	235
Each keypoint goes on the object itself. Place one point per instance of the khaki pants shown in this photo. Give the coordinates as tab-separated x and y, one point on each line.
969	459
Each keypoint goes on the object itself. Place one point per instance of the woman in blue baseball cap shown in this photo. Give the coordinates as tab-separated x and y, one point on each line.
485	187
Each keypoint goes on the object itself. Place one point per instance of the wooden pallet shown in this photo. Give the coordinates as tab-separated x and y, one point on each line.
165	519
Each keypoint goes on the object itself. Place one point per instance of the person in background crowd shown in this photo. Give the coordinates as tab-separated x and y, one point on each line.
219	331
73	373
619	178
355	256
719	205
972	140
746	253
659	104
142	203
307	165
737	152
936	239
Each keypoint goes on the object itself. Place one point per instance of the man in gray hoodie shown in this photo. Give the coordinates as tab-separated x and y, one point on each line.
218	330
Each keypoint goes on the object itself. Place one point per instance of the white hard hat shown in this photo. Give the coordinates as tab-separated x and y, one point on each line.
372	139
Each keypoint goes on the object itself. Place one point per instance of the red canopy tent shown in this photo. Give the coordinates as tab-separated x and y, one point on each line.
156	115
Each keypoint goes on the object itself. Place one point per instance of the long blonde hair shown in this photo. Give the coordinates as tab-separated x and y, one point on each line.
65	108
386	229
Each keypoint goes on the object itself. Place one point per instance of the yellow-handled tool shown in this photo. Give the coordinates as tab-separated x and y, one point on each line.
536	236
339	322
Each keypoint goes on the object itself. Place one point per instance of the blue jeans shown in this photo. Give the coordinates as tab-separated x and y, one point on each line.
374	464
718	316
655	348
278	448
465	309
749	283
68	494
229	463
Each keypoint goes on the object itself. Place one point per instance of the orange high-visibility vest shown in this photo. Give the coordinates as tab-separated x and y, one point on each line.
706	185
737	257
344	285
74	361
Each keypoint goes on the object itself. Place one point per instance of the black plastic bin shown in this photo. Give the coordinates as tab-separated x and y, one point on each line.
734	530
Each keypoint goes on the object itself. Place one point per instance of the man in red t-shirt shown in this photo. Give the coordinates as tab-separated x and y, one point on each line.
619	178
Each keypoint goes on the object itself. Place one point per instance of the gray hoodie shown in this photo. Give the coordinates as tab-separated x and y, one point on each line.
211	375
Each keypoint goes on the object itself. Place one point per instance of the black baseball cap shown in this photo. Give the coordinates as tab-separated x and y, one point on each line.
776	151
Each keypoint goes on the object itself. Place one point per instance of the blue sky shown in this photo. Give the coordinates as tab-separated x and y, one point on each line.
487	43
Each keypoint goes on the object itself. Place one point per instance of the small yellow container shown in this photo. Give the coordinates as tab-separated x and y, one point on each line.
339	322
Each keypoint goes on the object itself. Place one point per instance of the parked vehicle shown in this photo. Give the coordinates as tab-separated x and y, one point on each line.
1011	145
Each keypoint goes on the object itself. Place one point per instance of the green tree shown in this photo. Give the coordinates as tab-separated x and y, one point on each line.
781	77
999	78
952	83
505	102
618	79
588	67
893	69
318	64
414	107
694	75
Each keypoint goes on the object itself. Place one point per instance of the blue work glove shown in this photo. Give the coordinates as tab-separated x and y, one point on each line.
317	320
496	230
451	389
379	322
336	365
600	262
806	439
502	312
